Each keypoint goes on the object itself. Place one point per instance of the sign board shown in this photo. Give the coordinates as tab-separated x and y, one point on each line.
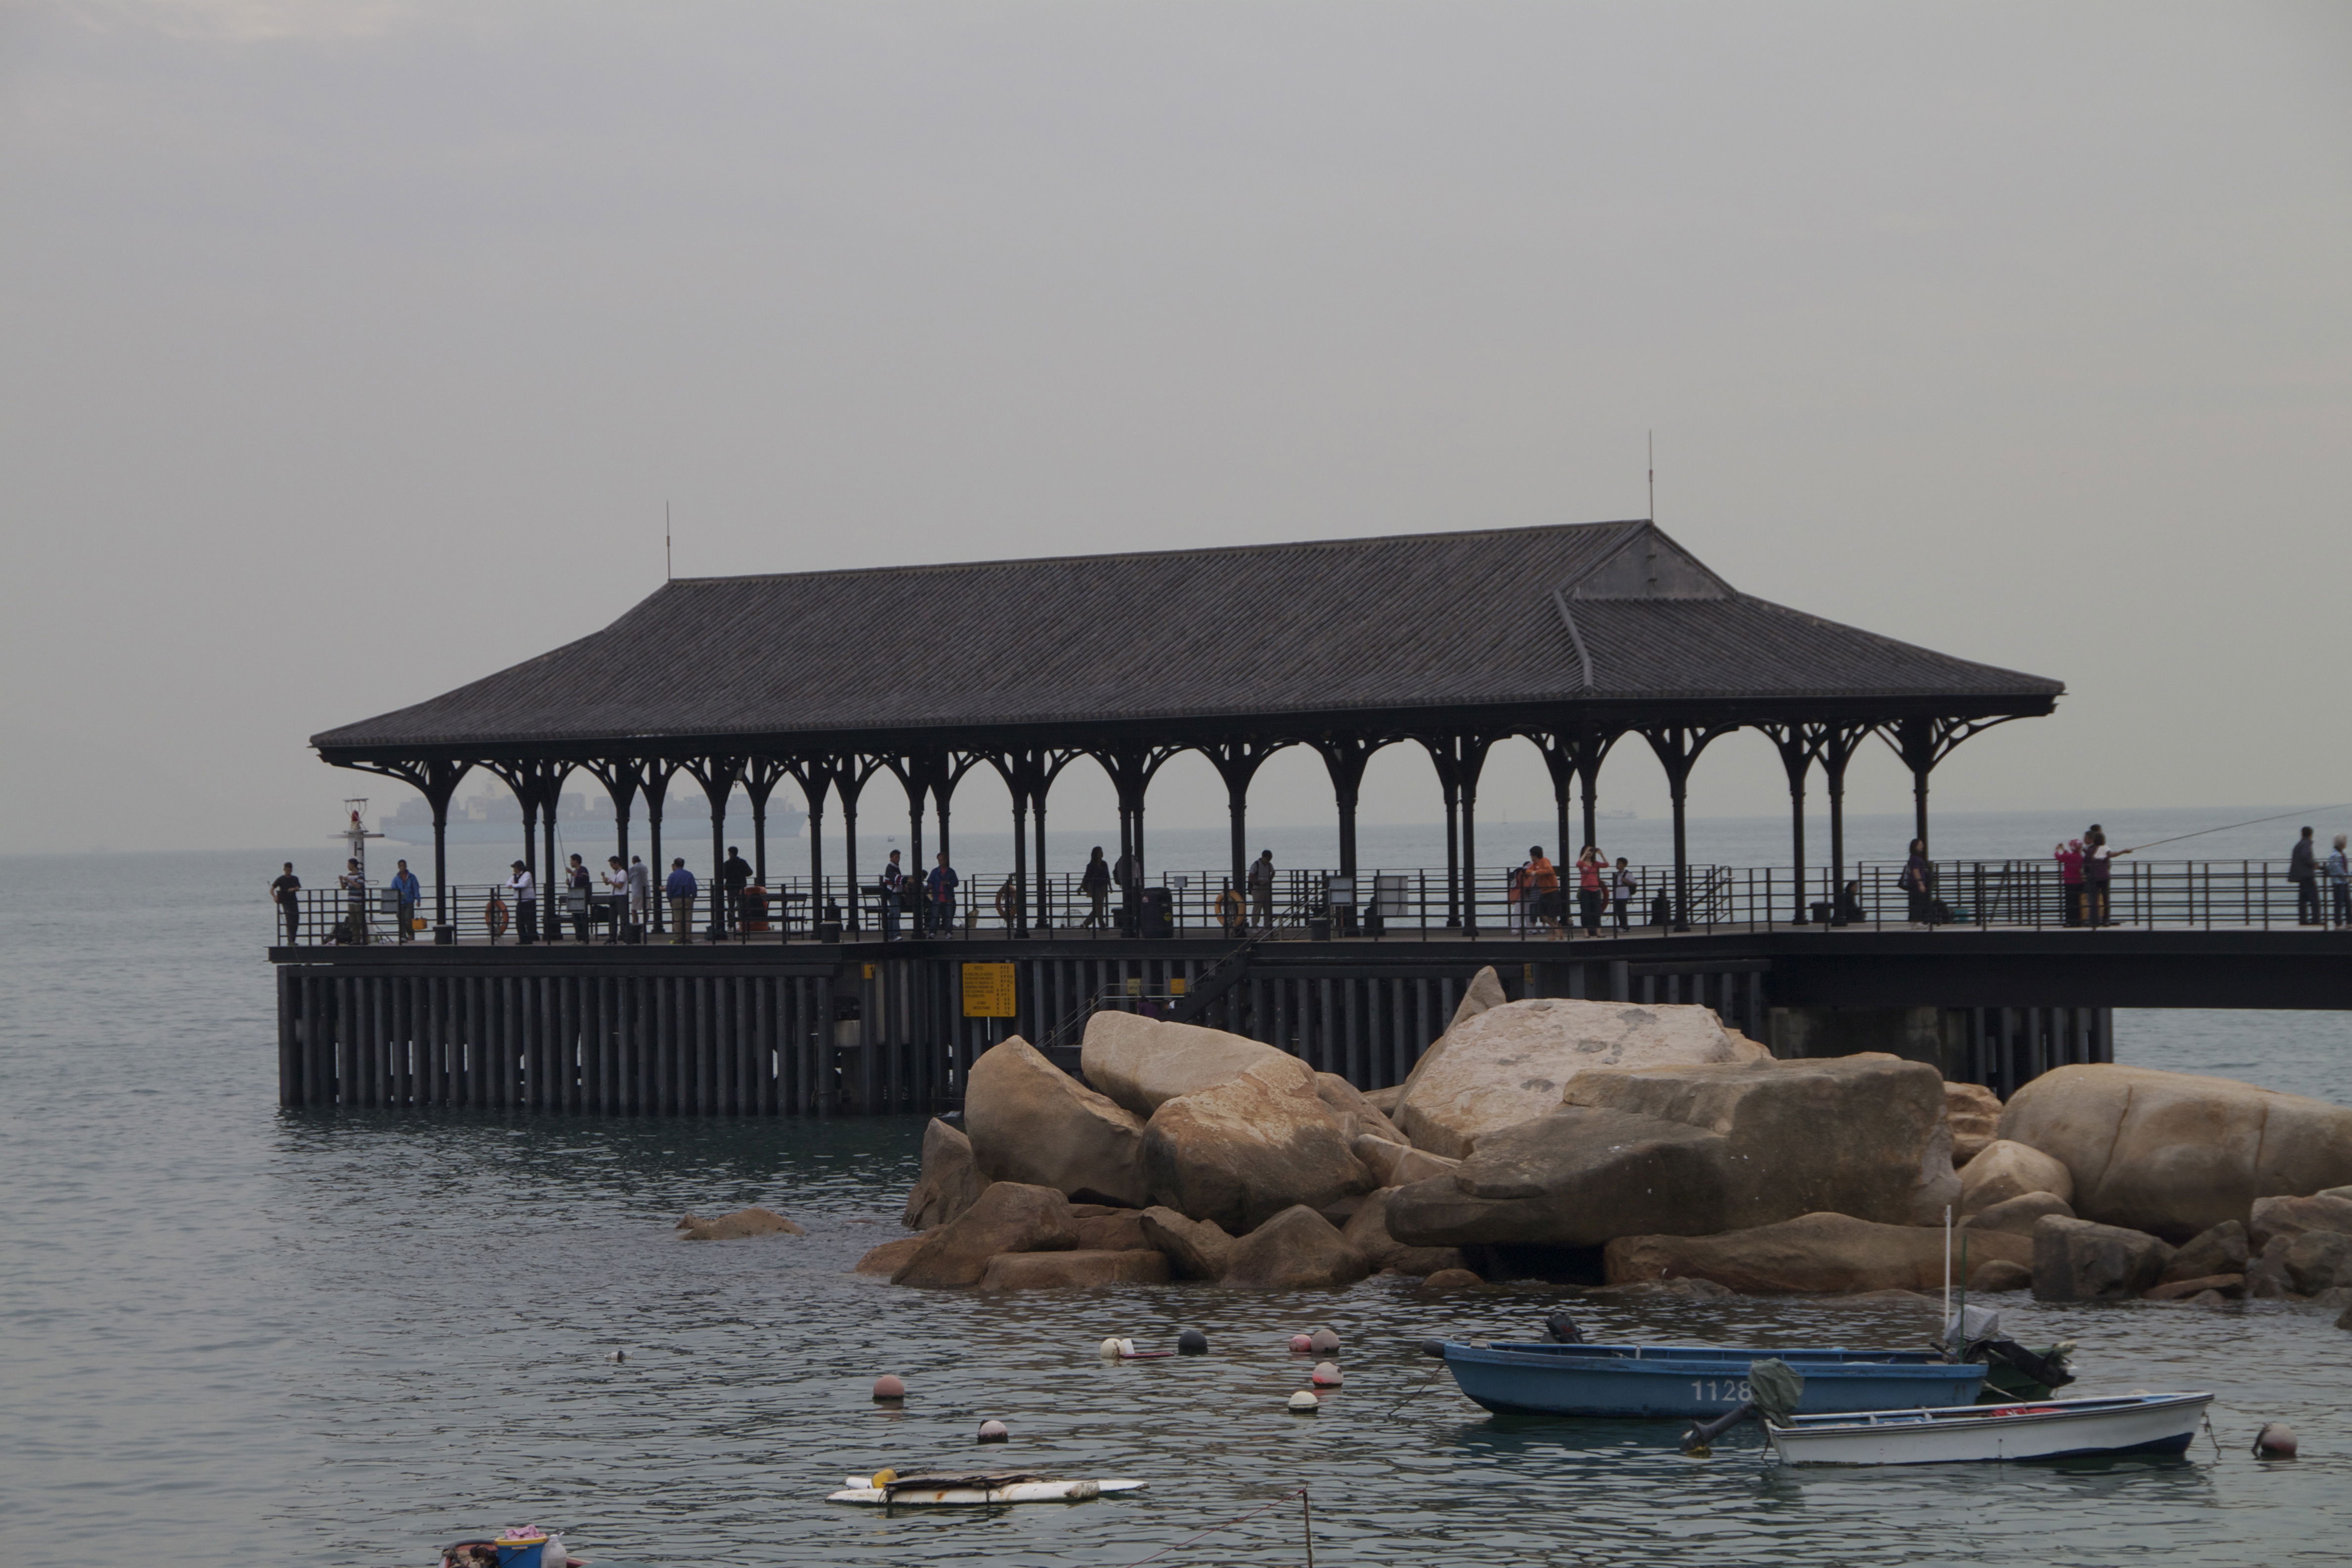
988	991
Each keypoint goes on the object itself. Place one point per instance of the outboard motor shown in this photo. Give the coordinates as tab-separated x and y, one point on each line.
1563	1330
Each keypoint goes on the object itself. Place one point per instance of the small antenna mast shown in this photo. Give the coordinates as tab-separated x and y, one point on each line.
1654	475
669	572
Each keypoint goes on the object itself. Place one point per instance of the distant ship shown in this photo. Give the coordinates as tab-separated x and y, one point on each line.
497	818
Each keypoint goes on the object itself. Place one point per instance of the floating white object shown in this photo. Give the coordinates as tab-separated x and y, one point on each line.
1111	1349
868	1496
1304	1402
1325	1374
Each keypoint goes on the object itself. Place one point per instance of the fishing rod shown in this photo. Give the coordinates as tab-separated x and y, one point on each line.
2282	816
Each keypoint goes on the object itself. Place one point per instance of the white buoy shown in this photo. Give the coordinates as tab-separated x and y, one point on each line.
1304	1403
1111	1349
1325	1374
1324	1342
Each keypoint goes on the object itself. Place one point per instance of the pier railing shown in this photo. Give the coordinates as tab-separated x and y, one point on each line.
1405	905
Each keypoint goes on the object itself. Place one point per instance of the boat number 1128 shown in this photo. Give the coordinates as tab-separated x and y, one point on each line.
1720	1390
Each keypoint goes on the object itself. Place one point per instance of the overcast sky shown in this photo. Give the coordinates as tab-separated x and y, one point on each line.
351	351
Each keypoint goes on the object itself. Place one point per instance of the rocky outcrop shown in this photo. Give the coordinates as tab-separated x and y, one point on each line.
1814	1254
1010	1216
2081	1260
2018	1215
2222	1287
2294	1216
2221	1250
1196	1248
949	1179
1367	1231
1485	991
2175	1153
1142	1063
1118	1230
1511	1062
2266	1276
1072	1270
1297	1249
1695	1150
1249	1148
2003	1170
741	1224
889	1257
1974	1112
1031	1122
2001	1274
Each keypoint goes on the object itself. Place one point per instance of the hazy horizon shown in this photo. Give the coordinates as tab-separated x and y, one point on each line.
353	351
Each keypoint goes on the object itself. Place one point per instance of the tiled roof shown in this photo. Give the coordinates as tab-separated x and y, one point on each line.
1606	613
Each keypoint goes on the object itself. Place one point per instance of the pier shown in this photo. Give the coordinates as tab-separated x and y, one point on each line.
1584	638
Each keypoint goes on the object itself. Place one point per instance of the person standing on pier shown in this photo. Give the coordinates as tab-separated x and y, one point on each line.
1261	889
2339	884
1094	883
1591	892
681	889
2069	857
353	882
2303	871
407	895
894	891
1623	888
577	886
526	900
286	892
641	891
616	895
942	886
734	875
1919	881
2098	875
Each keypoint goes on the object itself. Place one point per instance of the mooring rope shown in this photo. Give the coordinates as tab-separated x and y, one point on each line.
1244	1519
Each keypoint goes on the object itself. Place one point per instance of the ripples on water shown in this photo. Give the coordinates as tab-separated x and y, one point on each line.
351	1337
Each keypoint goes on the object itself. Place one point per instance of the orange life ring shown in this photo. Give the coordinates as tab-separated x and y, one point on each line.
494	915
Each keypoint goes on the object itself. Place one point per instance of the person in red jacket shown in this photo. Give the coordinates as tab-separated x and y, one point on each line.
2069	856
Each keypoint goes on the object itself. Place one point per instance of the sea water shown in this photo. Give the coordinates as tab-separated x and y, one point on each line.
232	1333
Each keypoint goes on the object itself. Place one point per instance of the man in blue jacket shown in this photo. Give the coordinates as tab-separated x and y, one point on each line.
942	885
681	888
405	890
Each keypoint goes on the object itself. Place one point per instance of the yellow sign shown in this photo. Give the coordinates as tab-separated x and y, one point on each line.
988	991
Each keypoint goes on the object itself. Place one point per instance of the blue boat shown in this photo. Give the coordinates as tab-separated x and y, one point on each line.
1687	1382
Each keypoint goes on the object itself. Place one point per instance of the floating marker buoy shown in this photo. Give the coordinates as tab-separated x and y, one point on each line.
889	1385
1191	1342
1301	1344
1325	1374
1304	1403
995	1431
618	1356
1111	1351
882	1477
1323	1342
2274	1441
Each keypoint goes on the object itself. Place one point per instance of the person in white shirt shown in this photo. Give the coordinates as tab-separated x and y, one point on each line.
641	889
526	901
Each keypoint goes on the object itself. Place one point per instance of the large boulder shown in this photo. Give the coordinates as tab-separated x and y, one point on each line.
889	1257
1394	1164
2293	1216
2081	1260
2003	1170
1070	1271
2221	1250
1249	1148
1813	1254
1196	1248
1030	1121
2018	1215
1699	1150
1510	1062
2175	1153
1484	992
2318	1260
950	1179
1142	1063
1010	1216
1367	1231
1297	1249
1114	1230
1974	1112
736	1226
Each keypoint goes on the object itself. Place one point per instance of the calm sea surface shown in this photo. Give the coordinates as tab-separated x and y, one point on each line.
234	1334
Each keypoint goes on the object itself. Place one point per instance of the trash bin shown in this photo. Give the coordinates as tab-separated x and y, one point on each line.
1159	914
1821	908
1318	928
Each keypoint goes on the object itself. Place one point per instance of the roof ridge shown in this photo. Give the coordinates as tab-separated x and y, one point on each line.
1194	552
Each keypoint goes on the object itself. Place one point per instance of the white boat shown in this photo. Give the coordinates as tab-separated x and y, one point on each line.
2049	1429
973	1492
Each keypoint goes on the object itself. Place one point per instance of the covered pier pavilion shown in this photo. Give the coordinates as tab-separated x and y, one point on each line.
1577	637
